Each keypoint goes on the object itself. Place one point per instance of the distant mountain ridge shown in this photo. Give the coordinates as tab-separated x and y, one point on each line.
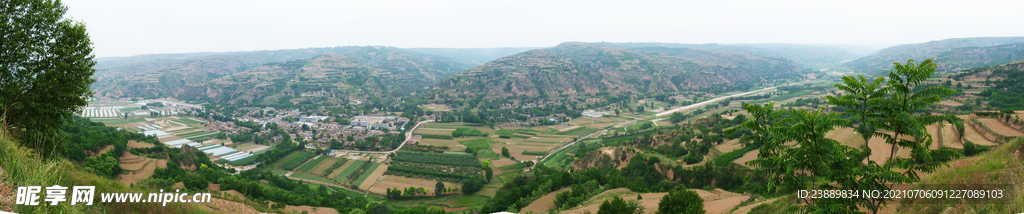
882	61
191	78
592	69
973	57
808	56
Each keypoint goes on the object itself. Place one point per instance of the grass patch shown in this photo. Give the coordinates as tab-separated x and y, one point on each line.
308	166
311	177
479	143
278	172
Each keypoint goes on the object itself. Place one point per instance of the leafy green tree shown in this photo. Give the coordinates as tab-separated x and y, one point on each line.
489	173
504	152
45	68
859	91
683	202
906	130
619	206
439	188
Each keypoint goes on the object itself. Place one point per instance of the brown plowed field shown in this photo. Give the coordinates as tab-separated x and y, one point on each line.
372	179
319	169
999	127
949	137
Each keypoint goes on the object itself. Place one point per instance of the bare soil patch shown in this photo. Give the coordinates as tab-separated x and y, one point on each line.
933	130
950	103
729	146
724	205
568	128
846	136
751	155
502	162
446	209
949	137
311	210
972	134
137	144
218	205
999	127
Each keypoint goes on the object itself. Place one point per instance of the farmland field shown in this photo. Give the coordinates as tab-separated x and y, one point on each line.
392	181
310	177
438	142
324	165
309	165
432	131
341	177
436	158
366	174
998	127
949	137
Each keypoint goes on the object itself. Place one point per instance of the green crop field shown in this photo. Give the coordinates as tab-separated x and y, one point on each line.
310	177
340	178
308	166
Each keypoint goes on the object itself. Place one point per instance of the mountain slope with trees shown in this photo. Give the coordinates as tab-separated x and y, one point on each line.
884	59
230	77
807	56
589	69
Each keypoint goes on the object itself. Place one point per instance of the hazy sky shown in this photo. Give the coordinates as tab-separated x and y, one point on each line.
125	28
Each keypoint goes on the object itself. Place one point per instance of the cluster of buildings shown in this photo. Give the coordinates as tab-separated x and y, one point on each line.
376	122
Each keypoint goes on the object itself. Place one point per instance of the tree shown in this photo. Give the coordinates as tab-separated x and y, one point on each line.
439	188
45	68
489	173
504	152
619	206
683	201
860	92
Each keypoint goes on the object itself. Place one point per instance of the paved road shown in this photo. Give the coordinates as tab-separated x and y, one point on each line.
541	161
708	102
408	134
